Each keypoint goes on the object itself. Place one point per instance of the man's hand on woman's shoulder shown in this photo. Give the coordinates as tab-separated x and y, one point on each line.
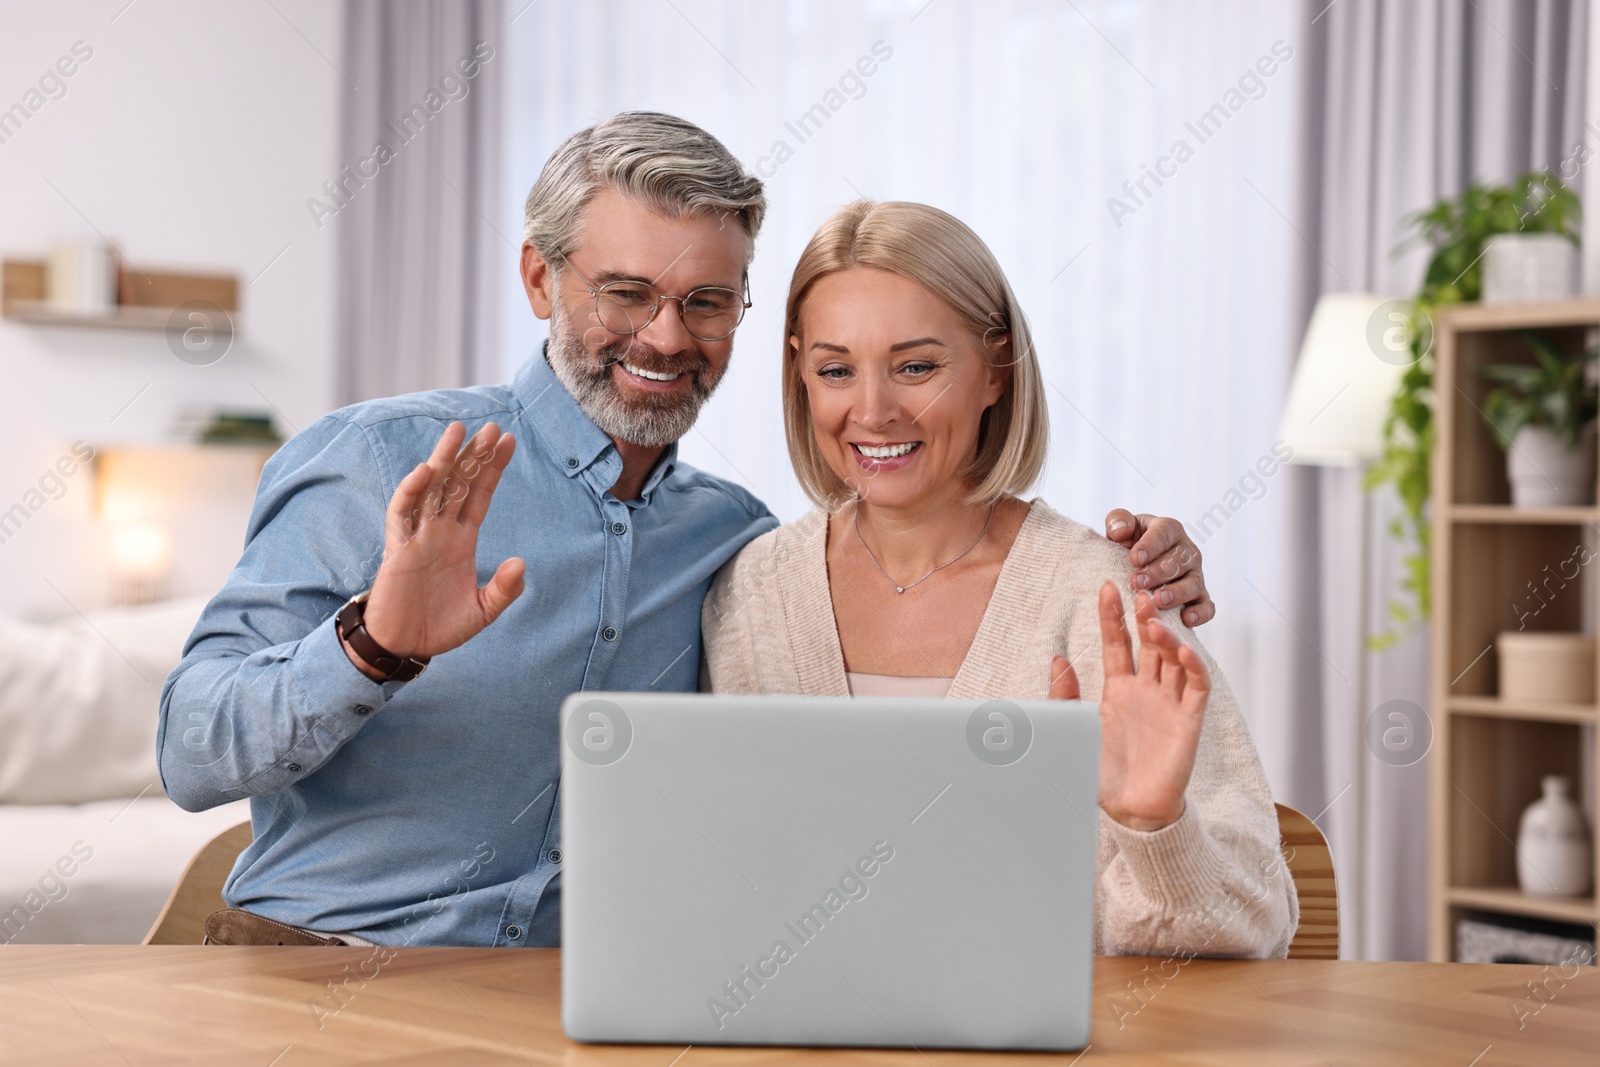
1165	562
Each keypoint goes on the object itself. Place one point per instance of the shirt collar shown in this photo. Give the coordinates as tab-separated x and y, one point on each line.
575	443
665	465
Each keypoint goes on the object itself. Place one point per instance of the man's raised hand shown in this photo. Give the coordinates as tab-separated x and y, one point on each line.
425	599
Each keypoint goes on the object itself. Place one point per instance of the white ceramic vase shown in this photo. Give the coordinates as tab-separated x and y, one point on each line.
1544	472
1553	854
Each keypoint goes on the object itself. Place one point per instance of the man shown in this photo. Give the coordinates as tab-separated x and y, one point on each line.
400	808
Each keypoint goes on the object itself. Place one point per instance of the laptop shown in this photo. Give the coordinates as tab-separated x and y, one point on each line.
781	870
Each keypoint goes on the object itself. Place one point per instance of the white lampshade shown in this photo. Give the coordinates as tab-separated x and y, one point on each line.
1350	365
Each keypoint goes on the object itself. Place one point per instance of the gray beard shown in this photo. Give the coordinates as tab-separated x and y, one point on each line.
651	421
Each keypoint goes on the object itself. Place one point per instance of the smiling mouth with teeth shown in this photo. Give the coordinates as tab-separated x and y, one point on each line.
886	451
654	376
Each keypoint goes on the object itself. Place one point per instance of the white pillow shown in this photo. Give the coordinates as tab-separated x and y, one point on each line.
79	700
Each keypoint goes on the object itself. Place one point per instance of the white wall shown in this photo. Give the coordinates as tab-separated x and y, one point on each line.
191	137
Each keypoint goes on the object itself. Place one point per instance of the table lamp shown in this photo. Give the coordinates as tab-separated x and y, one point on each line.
1351	360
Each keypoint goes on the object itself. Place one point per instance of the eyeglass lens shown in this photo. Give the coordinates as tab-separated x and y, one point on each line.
710	314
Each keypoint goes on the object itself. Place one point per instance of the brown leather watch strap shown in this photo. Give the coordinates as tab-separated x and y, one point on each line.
351	625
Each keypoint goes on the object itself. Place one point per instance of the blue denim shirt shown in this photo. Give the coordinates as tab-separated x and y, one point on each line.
427	812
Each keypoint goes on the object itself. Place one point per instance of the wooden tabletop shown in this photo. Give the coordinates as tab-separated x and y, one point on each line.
274	1007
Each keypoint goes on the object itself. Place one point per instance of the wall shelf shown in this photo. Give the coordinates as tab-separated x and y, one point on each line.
39	313
146	298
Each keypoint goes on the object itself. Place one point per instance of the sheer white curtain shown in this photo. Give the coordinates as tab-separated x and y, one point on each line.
1163	327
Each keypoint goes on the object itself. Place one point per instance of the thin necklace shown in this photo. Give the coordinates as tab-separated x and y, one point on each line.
898	588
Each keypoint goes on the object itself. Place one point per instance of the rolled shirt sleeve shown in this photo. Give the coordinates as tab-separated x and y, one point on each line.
264	693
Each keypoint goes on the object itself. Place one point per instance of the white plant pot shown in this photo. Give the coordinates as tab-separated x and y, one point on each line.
1544	472
1524	267
1553	857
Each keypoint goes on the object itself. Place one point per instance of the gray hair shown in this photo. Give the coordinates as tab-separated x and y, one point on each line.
659	160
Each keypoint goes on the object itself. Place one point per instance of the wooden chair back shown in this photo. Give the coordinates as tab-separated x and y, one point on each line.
199	890
1305	853
1310	863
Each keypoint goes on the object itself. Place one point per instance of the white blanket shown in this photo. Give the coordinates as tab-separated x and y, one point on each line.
97	873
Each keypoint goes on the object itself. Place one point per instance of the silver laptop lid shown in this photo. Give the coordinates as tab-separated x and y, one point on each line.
823	871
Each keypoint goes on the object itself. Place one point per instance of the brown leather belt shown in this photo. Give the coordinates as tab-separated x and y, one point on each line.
235	926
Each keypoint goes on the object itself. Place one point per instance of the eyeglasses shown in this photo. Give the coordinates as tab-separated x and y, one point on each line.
709	313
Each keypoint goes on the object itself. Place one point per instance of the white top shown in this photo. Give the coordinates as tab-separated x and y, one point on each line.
889	685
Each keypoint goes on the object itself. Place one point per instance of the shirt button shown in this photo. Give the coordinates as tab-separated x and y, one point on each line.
513	932
294	768
361	709
609	633
554	855
619	528
572	464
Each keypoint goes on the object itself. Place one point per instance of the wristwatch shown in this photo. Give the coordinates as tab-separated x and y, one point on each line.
351	625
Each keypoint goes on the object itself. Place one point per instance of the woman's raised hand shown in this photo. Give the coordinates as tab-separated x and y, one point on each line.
425	599
1150	719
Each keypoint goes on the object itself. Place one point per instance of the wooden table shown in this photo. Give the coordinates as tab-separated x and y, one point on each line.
259	1007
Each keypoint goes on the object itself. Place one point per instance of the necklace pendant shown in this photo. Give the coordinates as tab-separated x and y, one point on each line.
936	570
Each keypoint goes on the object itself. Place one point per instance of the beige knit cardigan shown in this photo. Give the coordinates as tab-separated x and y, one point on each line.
1213	883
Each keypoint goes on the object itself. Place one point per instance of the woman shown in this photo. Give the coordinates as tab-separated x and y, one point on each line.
915	414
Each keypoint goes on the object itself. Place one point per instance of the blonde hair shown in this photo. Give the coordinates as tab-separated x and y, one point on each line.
941	253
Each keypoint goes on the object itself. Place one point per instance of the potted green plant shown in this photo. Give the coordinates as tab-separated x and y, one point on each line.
1455	229
1542	414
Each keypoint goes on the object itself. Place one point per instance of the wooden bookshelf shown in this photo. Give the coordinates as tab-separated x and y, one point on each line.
1490	754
